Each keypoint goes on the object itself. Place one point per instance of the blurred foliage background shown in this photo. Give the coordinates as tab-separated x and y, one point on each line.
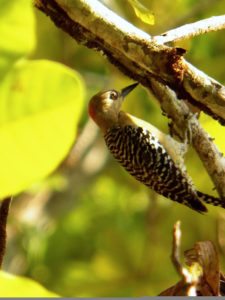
89	229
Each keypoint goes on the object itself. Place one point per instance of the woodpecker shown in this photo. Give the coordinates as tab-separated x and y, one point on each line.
144	151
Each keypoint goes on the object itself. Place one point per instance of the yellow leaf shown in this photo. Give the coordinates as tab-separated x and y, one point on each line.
215	130
16	286
40	107
17	31
142	12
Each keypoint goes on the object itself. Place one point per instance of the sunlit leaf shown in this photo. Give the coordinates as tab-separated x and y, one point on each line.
142	12
17	31
215	130
16	286
40	106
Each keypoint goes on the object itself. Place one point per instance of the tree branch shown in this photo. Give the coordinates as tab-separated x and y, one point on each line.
184	122
135	52
191	30
160	68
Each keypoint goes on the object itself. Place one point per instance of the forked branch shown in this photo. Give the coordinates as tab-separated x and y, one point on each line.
158	67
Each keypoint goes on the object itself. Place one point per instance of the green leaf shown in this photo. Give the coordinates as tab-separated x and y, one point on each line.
40	107
17	32
215	130
16	286
142	12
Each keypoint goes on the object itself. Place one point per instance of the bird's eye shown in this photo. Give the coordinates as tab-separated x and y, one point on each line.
113	95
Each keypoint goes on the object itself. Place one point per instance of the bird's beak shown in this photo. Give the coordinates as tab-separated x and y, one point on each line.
128	89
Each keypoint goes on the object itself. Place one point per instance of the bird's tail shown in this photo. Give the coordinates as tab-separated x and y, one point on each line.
211	200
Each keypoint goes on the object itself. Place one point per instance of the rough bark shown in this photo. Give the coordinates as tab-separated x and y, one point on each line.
160	68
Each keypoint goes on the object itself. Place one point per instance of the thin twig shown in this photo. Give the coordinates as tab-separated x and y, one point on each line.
175	255
193	29
4	210
186	287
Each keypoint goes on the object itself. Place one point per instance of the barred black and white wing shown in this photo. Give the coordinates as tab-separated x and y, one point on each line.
145	158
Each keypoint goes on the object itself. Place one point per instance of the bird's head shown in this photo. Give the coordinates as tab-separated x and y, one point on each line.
105	106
